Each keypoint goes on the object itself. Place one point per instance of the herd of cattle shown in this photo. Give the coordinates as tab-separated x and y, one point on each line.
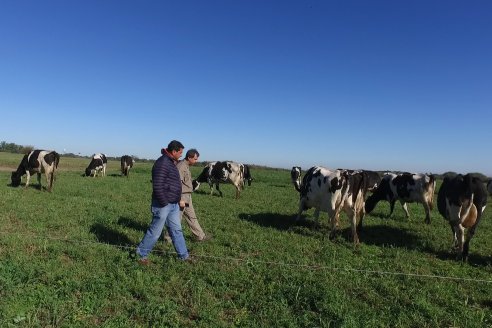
46	161
461	199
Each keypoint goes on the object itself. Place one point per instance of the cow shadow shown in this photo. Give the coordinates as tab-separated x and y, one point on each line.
382	235
132	224
204	192
31	186
110	236
114	175
380	215
474	259
279	221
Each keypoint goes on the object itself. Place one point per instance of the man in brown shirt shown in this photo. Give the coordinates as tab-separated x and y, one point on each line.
186	204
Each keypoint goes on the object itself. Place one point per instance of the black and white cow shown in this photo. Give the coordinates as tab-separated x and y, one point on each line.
407	188
224	172
97	164
461	201
373	178
332	191
37	161
126	164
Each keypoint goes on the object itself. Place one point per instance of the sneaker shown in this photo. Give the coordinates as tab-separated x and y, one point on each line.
144	261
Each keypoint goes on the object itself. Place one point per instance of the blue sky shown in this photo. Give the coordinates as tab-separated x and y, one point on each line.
383	85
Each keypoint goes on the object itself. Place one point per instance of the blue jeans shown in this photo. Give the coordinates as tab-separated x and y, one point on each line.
164	216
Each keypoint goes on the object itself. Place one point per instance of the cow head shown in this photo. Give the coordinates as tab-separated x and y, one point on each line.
16	179
88	172
295	175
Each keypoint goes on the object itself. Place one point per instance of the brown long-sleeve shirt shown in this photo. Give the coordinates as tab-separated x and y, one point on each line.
185	175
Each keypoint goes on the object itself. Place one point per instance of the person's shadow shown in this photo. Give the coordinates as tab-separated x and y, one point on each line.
110	236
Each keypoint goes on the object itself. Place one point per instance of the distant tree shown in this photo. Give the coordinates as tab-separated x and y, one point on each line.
14	148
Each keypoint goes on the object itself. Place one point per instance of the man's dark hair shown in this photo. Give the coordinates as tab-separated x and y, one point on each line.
192	152
175	145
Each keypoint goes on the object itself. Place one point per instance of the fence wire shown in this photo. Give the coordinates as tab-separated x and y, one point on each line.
255	261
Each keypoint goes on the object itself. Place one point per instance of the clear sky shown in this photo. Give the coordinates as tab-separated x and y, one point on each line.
383	85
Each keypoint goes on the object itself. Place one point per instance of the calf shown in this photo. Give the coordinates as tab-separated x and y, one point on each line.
97	164
37	161
331	191
406	188
461	201
126	164
225	172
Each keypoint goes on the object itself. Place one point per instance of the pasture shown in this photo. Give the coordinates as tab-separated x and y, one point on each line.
64	260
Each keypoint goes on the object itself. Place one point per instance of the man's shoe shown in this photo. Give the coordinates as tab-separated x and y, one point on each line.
207	237
144	261
191	259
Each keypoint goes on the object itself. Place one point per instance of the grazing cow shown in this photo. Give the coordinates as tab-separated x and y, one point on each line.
126	164
37	161
461	201
224	172
407	188
331	191
97	164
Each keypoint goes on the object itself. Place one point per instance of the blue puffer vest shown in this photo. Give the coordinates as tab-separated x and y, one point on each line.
166	184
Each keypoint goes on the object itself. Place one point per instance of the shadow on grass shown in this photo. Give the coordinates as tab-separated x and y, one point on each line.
132	224
382	235
473	258
278	221
110	236
204	192
31	186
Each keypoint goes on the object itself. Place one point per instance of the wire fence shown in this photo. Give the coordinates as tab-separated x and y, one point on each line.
256	261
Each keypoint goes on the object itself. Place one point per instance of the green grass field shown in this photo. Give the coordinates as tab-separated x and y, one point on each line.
64	260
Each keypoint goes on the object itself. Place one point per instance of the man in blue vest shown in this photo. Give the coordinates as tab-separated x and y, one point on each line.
166	198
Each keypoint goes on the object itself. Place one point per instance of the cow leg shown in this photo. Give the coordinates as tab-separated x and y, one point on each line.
301	209
28	177
427	209
238	192
460	236
39	180
362	214
352	214
316	213
469	236
333	225
392	207
405	208
455	238
217	187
